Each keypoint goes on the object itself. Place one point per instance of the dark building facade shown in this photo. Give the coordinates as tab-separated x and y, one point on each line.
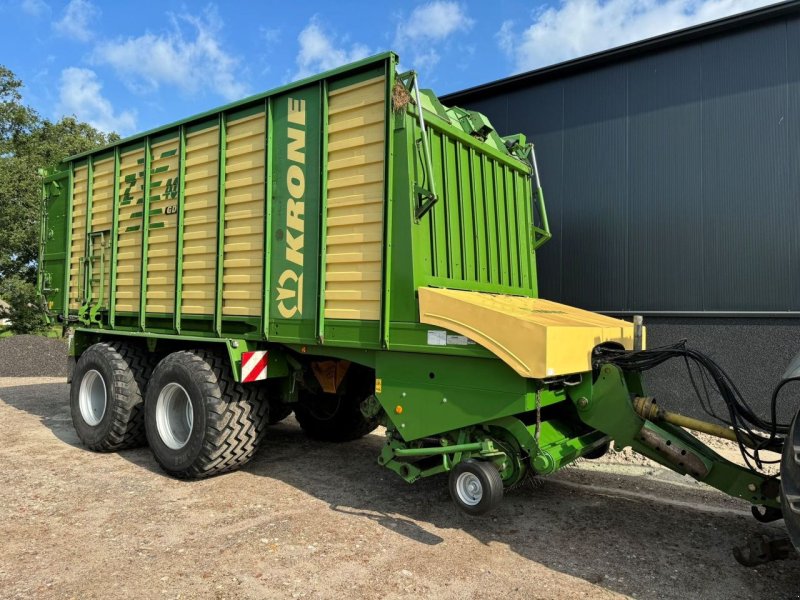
671	171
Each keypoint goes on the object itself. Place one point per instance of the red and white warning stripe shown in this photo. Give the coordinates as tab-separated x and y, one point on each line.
254	366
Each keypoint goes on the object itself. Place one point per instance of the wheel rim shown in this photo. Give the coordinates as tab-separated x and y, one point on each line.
92	397
174	416
469	489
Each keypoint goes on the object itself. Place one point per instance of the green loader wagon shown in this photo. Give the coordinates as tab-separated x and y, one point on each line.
349	249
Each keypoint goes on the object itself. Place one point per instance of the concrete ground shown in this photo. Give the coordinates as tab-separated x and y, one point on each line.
310	520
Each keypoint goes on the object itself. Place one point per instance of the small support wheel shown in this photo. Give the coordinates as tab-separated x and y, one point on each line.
598	452
476	486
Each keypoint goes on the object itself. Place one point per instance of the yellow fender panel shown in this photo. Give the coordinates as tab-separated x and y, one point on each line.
537	338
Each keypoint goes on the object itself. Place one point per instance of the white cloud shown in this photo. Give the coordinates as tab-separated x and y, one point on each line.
35	8
81	95
189	60
320	51
579	27
427	26
77	20
433	21
271	35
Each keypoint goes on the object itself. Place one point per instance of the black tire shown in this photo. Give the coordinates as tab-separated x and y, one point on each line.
488	490
278	412
227	419
337	417
790	482
271	392
598	452
121	371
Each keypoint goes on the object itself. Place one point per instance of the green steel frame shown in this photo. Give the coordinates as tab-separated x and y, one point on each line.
223	122
112	297
85	265
268	198
145	234
322	217
179	236
388	194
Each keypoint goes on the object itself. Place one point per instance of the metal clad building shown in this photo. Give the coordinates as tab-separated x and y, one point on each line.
671	170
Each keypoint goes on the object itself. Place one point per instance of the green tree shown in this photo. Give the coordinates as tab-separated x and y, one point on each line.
28	143
24	312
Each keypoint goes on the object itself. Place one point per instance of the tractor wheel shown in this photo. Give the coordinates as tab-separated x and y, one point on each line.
107	396
199	421
476	486
271	393
337	417
790	482
278	412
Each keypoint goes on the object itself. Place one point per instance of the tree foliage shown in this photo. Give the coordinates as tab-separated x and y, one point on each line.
29	142
24	311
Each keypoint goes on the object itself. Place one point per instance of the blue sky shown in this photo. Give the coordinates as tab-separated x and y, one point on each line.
131	66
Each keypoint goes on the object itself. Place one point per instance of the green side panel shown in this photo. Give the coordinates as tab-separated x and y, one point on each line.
476	236
426	395
339	331
296	167
298	191
403	305
52	278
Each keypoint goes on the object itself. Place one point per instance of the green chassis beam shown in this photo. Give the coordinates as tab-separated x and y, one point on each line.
235	347
606	406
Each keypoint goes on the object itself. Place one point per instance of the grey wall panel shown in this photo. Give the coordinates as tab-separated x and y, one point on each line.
542	113
672	177
496	108
665	173
792	208
755	352
595	199
745	186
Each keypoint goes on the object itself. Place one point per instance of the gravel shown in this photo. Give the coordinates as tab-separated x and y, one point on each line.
306	519
33	356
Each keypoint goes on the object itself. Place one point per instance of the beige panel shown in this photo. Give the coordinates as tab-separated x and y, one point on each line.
242	292
163	231
537	338
129	231
201	183
354	218
78	245
102	209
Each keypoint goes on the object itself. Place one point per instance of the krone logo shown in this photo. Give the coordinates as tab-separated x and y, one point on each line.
290	283
290	294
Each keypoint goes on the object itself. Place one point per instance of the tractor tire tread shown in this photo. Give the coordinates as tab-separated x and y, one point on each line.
348	425
131	367
236	419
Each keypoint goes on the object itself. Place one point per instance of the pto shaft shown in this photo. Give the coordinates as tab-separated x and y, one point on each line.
647	408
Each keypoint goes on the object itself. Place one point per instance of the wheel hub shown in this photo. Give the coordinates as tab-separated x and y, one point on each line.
469	489
174	416
92	397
